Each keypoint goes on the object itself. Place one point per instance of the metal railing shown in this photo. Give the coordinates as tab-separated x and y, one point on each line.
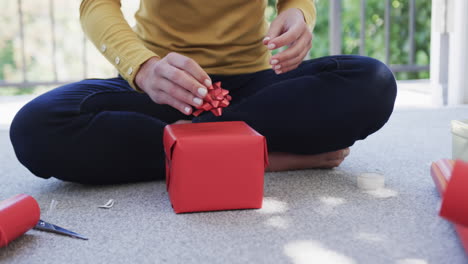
336	40
55	81
335	37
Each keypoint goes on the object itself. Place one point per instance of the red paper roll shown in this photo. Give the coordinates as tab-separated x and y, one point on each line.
18	214
455	202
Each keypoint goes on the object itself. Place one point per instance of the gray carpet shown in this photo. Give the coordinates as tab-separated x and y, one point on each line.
312	216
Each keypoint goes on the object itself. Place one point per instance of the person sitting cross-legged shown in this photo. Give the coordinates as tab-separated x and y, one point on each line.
100	131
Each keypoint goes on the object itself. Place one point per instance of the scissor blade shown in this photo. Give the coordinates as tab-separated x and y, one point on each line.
44	226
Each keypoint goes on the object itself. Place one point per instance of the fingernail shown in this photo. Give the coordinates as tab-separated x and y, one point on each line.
274	61
278	72
271	46
277	67
266	39
197	101
187	109
202	91
208	83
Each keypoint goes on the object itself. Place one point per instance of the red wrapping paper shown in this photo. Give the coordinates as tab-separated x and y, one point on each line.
216	99
214	166
18	214
451	179
455	203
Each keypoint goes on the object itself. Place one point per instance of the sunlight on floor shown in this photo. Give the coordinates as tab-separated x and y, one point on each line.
412	261
9	106
332	201
414	93
279	222
305	252
370	237
272	206
328	205
383	193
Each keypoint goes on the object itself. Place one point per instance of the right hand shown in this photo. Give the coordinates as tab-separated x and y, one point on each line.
174	80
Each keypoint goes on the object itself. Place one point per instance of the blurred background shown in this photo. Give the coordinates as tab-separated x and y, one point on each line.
42	45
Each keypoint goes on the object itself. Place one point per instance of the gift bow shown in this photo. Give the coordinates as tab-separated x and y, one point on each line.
216	99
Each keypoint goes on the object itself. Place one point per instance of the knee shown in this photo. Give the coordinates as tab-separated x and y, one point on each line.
380	82
28	136
378	88
379	97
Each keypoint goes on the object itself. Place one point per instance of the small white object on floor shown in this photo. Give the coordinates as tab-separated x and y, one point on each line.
370	181
108	205
52	206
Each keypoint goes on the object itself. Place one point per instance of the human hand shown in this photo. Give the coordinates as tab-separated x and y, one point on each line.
174	80
288	29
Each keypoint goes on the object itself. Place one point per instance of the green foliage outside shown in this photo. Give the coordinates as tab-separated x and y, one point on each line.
375	33
6	57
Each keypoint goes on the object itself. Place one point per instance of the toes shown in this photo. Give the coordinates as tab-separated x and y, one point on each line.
337	158
339	154
330	164
336	163
346	152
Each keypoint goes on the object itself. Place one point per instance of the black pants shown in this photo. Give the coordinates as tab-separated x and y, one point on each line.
101	131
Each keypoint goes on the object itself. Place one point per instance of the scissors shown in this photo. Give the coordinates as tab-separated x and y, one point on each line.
44	226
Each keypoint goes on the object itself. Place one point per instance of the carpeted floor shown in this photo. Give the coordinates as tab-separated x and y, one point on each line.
312	216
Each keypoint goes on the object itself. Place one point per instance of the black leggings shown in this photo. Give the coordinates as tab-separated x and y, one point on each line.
101	131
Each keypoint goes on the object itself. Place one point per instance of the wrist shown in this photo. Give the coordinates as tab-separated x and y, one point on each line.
144	72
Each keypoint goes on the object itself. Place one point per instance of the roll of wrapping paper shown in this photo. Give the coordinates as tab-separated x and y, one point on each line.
444	174
455	201
18	214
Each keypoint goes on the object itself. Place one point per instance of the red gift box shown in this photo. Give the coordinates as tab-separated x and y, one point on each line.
451	179
214	166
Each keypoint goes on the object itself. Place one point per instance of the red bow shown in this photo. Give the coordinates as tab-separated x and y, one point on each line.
216	99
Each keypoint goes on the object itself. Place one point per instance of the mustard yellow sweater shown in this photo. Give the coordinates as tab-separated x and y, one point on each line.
223	36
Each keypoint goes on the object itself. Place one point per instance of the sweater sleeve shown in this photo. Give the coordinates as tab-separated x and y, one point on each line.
306	6
104	24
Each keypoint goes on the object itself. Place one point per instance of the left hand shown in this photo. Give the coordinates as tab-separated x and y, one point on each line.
288	29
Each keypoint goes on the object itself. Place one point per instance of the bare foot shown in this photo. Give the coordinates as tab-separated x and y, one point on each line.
286	161
182	122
